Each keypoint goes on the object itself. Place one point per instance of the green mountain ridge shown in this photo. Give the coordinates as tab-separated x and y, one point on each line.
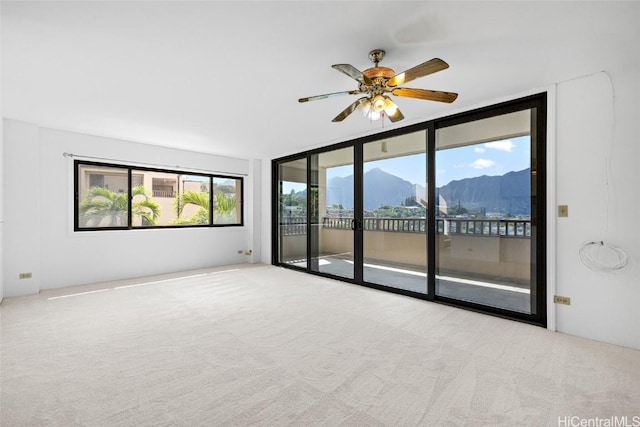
506	194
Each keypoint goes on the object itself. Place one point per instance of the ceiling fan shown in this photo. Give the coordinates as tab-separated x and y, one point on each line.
377	82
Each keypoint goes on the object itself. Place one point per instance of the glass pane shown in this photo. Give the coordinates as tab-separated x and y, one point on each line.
292	212
483	180
332	224
169	199
227	194
395	209
103	197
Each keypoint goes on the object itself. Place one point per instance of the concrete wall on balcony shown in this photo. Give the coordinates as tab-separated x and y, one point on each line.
294	247
503	258
400	248
506	259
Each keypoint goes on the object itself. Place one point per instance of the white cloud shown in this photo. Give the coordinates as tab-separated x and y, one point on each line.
441	171
479	150
482	164
504	145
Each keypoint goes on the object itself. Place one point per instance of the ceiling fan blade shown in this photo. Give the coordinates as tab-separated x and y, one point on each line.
424	69
429	95
391	110
328	95
350	109
353	72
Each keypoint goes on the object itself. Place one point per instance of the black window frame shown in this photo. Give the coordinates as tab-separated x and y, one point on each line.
129	169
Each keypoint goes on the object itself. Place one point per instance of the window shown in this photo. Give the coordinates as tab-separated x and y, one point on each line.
226	200
122	197
105	197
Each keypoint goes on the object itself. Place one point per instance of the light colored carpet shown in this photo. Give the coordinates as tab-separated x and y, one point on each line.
260	345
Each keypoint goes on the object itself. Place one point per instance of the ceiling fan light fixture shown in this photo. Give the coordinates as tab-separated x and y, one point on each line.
365	107
371	108
390	107
375	115
378	104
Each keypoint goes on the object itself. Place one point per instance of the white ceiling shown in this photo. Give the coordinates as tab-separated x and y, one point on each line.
224	77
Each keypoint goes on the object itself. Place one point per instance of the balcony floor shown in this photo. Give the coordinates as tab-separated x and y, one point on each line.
413	278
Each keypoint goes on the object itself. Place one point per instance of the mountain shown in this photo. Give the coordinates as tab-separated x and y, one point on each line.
380	189
508	193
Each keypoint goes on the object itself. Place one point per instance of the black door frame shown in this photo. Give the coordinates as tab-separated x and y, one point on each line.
537	103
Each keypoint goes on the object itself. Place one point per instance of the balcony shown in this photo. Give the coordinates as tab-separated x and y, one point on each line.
482	260
164	193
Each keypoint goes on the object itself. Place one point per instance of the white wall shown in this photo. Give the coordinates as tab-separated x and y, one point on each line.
595	128
39	236
266	212
254	196
21	234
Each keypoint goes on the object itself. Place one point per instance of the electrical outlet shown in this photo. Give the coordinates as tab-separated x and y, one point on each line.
24	275
561	300
249	252
563	211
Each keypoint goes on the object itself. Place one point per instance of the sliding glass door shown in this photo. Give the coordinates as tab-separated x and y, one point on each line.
333	224
451	210
291	213
395	212
486	217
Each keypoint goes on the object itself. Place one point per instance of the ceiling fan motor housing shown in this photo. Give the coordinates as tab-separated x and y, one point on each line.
379	72
379	76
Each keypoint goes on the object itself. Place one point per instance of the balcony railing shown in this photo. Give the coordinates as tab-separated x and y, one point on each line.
511	228
293	226
407	225
486	227
164	193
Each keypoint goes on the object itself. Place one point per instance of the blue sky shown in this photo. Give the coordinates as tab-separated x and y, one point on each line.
491	158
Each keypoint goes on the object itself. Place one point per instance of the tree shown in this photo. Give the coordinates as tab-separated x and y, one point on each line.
102	207
199	199
410	201
224	208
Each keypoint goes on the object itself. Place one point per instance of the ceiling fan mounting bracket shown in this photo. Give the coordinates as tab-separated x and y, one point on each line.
376	56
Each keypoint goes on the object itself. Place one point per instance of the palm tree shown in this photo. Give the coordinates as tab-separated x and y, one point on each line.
224	211
104	208
225	208
199	199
